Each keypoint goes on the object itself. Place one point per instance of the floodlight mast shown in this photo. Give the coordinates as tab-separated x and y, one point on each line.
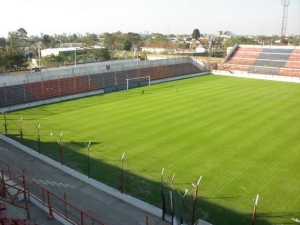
285	4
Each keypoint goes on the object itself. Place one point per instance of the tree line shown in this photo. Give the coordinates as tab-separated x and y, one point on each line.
18	47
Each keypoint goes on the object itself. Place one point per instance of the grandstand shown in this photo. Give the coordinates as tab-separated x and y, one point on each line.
261	59
38	87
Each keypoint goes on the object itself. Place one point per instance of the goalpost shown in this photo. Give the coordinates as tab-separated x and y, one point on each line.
127	80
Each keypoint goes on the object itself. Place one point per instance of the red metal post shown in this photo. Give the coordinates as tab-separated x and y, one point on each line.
65	204
50	216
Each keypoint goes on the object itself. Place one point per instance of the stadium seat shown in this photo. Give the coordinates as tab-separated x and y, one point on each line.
6	221
31	222
2	206
19	222
2	215
264	60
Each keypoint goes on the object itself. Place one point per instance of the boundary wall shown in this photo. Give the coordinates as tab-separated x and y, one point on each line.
245	74
108	66
41	88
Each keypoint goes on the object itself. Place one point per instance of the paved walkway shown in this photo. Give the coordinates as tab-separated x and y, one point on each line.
108	209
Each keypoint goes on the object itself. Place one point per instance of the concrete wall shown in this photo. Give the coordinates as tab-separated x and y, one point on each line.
245	74
64	72
51	100
84	69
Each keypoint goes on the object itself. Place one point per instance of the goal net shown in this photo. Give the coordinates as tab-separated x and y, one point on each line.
138	81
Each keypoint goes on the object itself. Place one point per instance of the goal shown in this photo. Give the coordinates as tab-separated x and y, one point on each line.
139	79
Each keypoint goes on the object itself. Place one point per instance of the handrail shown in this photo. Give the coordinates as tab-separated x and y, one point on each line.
49	197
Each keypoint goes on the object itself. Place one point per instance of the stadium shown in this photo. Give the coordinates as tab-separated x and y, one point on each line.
200	142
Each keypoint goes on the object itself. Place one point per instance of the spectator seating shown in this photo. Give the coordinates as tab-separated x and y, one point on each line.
4	220
17	94
283	61
107	80
59	87
2	206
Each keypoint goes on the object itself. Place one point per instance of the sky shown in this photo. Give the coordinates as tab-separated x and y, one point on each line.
241	17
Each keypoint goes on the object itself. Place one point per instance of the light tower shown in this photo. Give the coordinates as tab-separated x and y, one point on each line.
285	4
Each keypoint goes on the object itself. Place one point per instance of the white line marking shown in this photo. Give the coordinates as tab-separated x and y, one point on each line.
70	186
49	182
43	182
4	149
56	183
63	185
35	180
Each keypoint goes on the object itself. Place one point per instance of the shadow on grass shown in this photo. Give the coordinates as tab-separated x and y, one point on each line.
149	191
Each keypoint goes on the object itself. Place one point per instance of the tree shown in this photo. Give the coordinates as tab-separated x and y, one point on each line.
2	44
109	41
17	39
3	61
134	38
240	40
196	34
101	54
127	45
157	39
12	61
22	33
13	40
53	60
46	40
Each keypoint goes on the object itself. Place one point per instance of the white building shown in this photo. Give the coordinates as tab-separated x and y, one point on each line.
56	51
158	48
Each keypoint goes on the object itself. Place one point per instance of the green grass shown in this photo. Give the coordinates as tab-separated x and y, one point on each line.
241	135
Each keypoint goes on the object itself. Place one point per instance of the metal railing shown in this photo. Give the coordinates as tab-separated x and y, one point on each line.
14	182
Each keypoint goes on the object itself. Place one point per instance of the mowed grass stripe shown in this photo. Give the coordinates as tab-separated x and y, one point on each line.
240	134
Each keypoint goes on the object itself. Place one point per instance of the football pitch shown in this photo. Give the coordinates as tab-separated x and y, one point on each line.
241	135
